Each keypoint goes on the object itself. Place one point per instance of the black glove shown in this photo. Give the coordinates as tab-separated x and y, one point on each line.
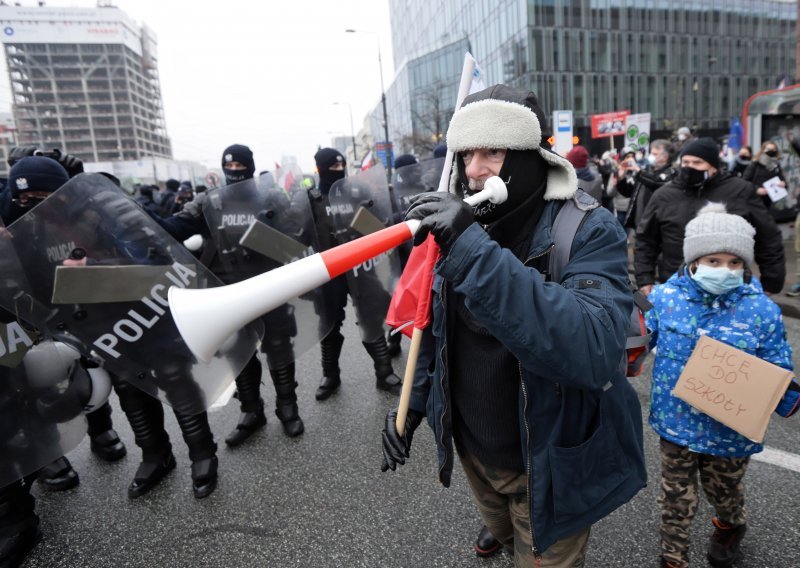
19	152
396	448
73	165
443	214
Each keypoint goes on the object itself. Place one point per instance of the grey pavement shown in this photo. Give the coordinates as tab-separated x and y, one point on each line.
321	500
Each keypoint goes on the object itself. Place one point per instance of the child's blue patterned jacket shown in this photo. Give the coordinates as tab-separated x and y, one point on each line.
744	318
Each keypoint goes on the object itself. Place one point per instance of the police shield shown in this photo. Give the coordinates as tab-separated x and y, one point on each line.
41	408
361	205
261	224
102	267
412	180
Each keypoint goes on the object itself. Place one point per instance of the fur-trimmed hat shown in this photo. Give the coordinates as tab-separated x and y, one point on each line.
715	230
509	118
36	173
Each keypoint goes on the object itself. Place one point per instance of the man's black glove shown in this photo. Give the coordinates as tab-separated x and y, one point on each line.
73	165
440	213
396	448
18	152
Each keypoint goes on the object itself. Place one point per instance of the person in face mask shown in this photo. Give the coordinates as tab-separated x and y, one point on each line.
644	181
715	295
237	163
742	160
331	298
659	234
765	166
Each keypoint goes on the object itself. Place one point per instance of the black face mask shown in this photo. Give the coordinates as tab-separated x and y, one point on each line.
523	172
692	178
772	153
235	176
327	178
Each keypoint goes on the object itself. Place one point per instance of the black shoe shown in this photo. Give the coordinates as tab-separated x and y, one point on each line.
14	548
249	422
59	476
107	446
290	420
390	383
204	477
486	545
724	547
149	474
327	387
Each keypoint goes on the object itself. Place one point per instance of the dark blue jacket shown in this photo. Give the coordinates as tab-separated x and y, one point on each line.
580	419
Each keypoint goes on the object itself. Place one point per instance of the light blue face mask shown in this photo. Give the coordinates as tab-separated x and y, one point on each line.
718	280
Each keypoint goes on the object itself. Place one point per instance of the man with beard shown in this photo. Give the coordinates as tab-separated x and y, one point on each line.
550	443
658	251
332	296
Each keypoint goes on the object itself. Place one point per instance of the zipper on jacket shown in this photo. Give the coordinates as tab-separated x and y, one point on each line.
541	254
528	467
445	401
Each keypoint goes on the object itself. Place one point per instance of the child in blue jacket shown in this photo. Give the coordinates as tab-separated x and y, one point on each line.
714	295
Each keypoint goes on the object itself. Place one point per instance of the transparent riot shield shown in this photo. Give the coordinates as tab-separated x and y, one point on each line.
414	179
258	225
102	267
361	205
41	410
407	182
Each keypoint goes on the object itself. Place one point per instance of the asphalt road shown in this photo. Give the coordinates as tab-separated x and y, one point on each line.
321	500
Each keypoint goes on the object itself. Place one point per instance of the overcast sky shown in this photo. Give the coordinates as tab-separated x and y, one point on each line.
264	74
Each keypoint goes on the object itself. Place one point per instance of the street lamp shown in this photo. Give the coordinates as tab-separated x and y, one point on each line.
352	130
383	101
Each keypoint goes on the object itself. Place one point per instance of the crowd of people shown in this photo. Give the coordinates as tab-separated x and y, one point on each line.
550	443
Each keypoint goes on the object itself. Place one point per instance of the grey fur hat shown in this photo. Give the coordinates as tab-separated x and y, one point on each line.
715	230
509	118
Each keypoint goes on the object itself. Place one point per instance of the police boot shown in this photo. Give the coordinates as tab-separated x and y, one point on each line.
19	525
248	388
59	475
202	451
105	442
393	339
146	417
385	379
331	348
286	400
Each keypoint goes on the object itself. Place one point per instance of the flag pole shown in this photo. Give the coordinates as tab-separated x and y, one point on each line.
467	71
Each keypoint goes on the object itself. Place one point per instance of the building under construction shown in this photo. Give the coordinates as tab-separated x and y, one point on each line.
84	80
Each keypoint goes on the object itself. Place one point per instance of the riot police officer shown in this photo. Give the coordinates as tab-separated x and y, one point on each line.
331	167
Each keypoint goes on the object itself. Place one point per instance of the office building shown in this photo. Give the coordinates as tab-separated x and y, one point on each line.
690	63
84	80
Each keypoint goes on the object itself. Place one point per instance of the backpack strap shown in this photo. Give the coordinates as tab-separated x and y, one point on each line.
566	224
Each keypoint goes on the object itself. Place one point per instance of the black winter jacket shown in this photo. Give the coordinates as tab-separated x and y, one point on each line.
659	235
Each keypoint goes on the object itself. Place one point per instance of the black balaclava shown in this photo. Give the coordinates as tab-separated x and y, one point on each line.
523	172
325	158
242	154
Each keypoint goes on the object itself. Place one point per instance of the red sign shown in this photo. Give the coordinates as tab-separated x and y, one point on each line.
609	124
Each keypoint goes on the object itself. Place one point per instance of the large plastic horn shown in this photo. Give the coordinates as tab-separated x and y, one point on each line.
207	317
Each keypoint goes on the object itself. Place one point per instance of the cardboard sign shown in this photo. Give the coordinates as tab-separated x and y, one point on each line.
739	390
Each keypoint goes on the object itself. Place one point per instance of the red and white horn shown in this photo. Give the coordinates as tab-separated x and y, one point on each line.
207	317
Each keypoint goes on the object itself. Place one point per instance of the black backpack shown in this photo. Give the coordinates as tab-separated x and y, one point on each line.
566	224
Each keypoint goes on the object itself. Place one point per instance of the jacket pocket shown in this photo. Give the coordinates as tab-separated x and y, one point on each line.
677	340
584	475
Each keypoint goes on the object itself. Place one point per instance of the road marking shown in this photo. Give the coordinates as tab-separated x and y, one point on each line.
780	458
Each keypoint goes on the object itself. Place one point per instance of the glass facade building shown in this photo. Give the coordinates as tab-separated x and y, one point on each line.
690	63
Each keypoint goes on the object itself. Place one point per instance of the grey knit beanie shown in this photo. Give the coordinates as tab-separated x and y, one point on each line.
715	230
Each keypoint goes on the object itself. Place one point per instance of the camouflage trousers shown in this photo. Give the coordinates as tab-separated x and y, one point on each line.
722	480
502	499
